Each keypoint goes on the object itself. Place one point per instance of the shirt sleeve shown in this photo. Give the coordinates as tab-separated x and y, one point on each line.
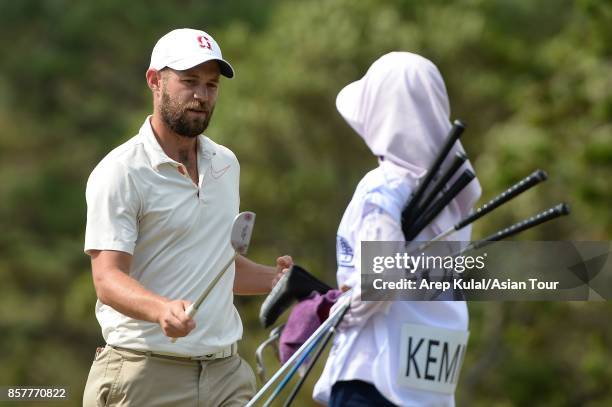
113	207
381	226
376	225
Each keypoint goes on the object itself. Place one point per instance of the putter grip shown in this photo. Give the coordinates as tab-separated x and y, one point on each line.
544	216
408	214
190	311
534	178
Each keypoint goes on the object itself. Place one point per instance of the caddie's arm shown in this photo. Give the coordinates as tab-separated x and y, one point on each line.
115	288
253	278
377	225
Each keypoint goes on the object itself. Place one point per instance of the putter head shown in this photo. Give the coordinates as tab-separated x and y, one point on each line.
242	229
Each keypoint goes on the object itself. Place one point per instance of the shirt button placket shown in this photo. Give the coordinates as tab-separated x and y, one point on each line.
183	171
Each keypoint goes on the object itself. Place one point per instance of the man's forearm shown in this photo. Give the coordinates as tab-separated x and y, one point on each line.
252	278
126	295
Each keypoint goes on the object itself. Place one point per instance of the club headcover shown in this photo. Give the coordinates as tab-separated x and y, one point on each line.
294	286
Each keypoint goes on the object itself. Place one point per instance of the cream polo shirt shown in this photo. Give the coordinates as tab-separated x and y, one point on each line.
142	202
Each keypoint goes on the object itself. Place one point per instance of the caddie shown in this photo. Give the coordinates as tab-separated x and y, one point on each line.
387	353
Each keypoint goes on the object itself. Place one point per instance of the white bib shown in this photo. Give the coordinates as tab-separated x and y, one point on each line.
431	358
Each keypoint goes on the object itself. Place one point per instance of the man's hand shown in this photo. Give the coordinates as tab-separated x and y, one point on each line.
174	321
283	264
253	278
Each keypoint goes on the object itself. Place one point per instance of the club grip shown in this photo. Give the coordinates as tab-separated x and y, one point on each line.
422	221
460	158
190	311
544	216
533	179
408	214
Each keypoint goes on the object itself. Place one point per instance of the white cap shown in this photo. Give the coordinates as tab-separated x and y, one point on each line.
185	48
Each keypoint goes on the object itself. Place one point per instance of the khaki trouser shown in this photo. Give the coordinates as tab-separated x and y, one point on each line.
123	378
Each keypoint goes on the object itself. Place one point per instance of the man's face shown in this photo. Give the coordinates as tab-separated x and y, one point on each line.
188	98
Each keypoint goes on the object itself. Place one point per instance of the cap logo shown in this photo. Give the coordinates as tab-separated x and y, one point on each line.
204	42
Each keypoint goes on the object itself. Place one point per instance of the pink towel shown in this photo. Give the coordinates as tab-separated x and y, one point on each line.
304	320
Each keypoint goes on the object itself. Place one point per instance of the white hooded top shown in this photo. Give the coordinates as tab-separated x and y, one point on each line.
400	108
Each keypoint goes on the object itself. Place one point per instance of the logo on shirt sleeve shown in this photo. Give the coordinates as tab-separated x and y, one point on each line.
344	252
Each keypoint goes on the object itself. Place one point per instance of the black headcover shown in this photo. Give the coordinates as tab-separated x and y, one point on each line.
294	286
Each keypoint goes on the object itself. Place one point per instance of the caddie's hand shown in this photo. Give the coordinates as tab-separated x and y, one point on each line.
173	319
283	264
359	311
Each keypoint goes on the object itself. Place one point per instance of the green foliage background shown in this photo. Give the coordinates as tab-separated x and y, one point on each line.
533	80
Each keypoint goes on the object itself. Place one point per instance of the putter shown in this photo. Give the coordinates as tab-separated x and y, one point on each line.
242	229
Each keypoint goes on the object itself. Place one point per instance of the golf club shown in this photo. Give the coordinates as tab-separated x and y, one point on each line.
272	338
544	216
523	185
295	285
561	209
410	212
430	214
328	336
306	346
460	158
293	370
240	237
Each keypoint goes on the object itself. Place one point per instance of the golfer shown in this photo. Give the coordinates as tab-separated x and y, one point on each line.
380	357
159	214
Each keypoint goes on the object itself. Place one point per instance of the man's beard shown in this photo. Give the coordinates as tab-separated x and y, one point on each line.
175	115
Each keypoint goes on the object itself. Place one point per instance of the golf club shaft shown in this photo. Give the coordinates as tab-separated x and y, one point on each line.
314	360
408	214
523	185
196	305
193	308
259	358
544	216
292	372
305	346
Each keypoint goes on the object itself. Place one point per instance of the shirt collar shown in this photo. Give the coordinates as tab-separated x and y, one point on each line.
157	155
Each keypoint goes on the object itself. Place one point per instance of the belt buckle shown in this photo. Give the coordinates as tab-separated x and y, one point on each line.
223	353
208	356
